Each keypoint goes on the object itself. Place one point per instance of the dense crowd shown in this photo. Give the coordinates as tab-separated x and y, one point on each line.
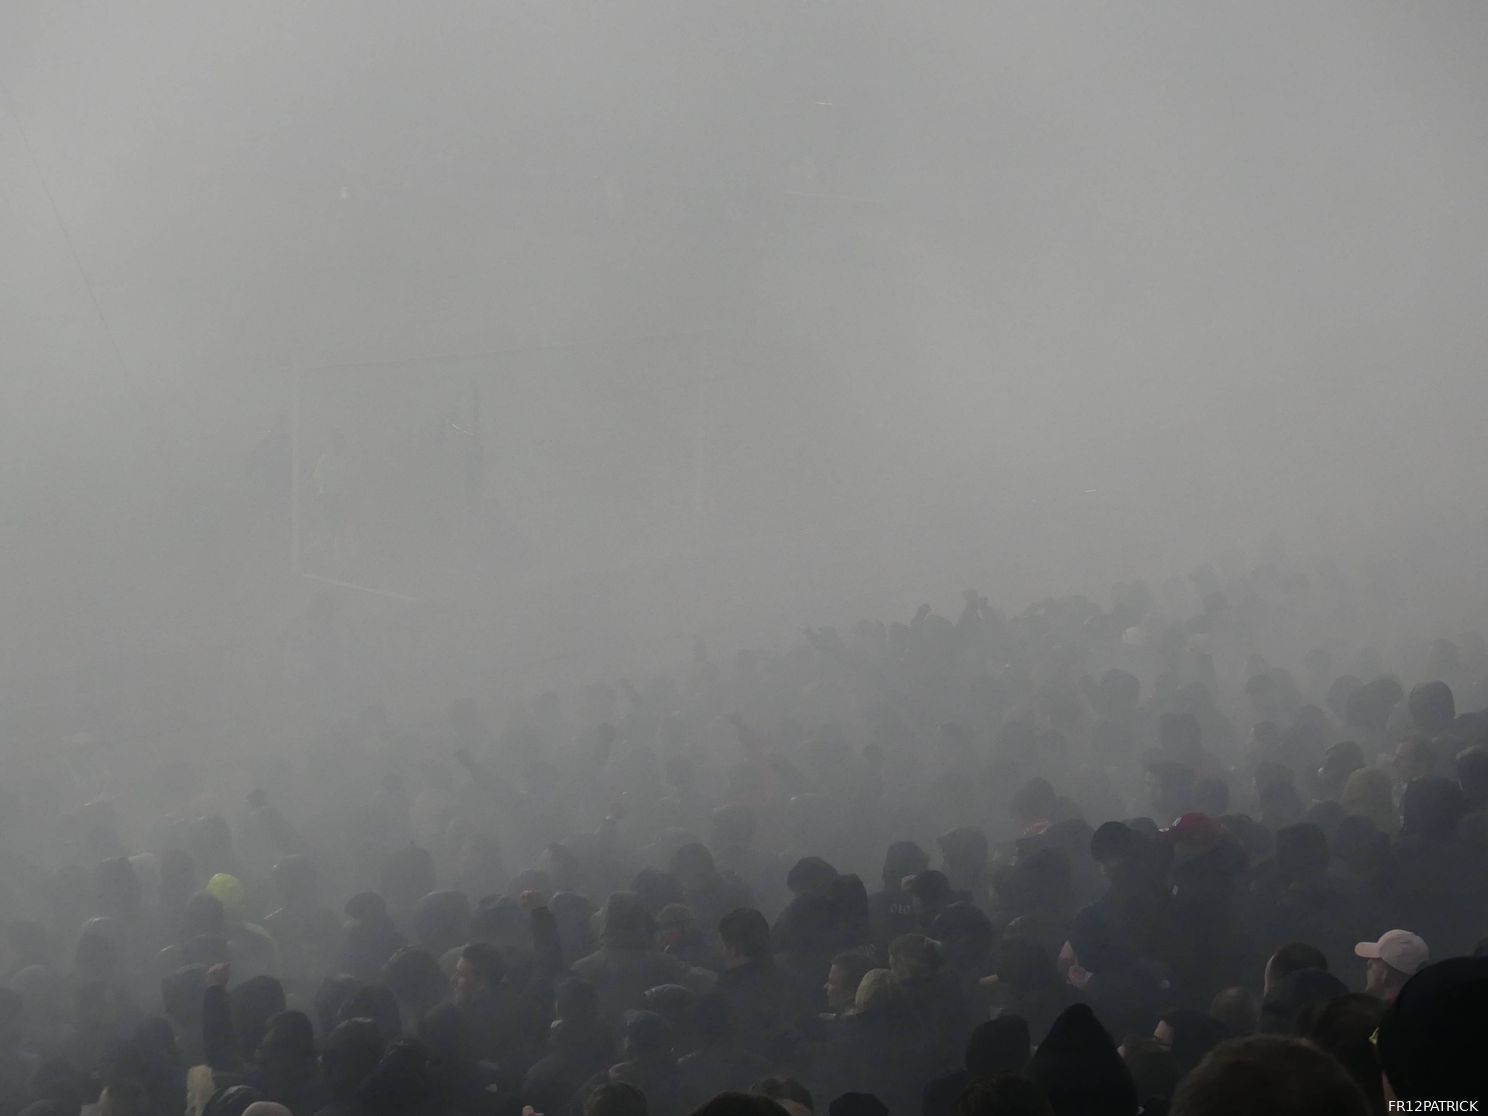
1078	861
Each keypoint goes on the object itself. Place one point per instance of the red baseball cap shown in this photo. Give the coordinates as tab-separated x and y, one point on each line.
1192	828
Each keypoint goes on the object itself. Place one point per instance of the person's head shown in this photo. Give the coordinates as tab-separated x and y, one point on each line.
266	1108
289	1040
333	993
692	866
1189	1034
857	1104
377	1005
1301	852
1431	1039
615	1099
99	950
1432	708
1292	997
1000	1045
1391	961
1291	958
647	1037
1345	1028
626	923
843	977
1368	793
414	976
929	894
749	1104
1267	1075
1079	1069
913	955
403	1080
1115	846
478	972
1154	1070
1005	1094
877	990
787	1092
1415	757
811	875
350	1056
745	935
1237	1009
125	1097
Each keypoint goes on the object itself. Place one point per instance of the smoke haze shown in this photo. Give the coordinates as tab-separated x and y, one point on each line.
776	313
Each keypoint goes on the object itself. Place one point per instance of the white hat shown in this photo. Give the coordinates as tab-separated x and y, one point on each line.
1400	949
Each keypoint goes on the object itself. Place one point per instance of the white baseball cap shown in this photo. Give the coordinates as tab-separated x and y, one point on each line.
1400	949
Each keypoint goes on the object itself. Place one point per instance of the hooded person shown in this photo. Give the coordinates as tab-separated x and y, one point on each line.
1080	1069
1368	793
1431	1041
890	909
288	1068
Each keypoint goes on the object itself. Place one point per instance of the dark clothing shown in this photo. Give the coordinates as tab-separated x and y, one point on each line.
868	1053
890	914
760	1001
621	977
716	1069
1206	890
939	1096
574	1055
941	1017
